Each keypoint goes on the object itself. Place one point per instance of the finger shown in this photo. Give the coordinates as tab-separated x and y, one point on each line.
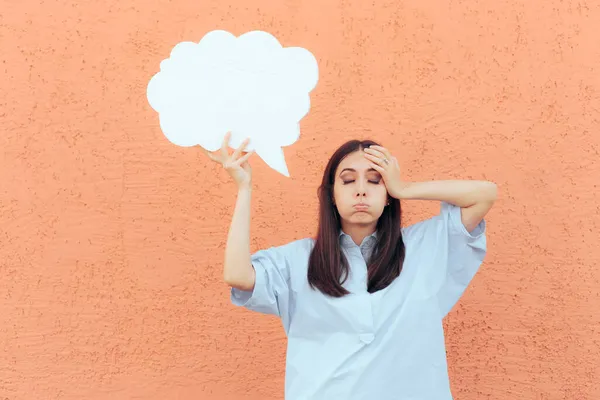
374	159
246	166
378	168
239	150
383	150
244	158
375	152
225	145
210	155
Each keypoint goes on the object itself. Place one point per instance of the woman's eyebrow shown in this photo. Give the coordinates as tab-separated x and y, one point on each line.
353	170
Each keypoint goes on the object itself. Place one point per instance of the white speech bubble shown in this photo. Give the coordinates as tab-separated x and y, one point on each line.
249	85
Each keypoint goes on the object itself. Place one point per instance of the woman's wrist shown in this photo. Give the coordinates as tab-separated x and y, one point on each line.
401	190
245	188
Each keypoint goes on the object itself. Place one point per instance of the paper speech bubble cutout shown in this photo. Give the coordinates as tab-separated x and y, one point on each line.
249	85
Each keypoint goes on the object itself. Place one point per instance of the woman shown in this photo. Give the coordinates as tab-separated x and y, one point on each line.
362	303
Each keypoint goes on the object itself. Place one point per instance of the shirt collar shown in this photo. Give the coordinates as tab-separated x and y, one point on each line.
347	241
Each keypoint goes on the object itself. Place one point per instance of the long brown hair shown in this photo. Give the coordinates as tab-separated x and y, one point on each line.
328	267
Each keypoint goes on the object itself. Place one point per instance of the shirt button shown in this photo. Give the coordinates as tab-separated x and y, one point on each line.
366	337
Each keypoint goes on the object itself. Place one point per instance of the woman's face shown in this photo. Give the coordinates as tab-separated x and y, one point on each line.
359	192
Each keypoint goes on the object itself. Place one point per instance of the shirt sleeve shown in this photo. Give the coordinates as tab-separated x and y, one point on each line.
271	293
447	256
465	253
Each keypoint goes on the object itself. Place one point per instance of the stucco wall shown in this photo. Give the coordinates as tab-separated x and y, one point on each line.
111	238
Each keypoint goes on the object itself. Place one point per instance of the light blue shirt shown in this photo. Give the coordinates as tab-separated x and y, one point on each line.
388	345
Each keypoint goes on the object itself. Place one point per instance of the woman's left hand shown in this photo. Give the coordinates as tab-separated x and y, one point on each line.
387	165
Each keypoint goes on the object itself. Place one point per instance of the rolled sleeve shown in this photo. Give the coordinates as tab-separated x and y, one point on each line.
466	252
270	294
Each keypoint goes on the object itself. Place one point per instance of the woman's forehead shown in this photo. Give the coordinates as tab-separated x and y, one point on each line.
355	162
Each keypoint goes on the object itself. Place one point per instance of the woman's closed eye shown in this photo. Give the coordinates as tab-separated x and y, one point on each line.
376	182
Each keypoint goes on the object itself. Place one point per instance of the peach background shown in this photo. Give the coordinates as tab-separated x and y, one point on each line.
112	238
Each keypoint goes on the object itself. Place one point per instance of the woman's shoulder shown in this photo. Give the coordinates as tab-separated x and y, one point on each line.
294	248
302	246
291	256
415	230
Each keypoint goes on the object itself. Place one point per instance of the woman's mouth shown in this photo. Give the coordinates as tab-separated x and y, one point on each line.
361	207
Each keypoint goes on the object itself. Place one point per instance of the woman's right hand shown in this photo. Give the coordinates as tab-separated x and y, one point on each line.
237	167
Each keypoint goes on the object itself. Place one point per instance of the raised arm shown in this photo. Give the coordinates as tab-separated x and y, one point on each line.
475	198
238	271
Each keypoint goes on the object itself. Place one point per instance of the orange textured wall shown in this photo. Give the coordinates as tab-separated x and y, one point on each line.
111	238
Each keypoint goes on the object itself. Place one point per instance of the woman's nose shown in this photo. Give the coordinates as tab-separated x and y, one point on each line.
360	190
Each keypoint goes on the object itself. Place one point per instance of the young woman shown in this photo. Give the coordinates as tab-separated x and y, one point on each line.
362	303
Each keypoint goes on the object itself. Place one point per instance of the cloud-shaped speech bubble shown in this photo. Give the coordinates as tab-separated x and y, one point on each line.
249	85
